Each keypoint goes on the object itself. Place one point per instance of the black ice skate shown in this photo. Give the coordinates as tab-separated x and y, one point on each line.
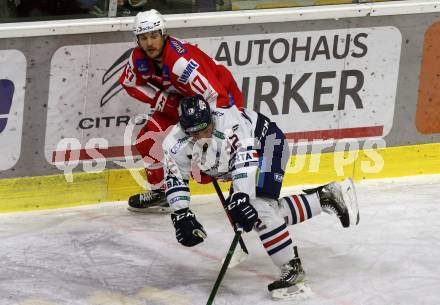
340	199
149	202
291	284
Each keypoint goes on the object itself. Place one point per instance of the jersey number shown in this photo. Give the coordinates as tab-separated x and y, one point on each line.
198	85
129	74
234	141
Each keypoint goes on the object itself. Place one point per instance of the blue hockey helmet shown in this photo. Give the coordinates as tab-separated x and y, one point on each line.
195	114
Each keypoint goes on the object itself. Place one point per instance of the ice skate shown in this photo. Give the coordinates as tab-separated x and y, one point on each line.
340	199
149	202
292	284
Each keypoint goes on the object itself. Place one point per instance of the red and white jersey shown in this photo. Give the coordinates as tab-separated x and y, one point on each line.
186	70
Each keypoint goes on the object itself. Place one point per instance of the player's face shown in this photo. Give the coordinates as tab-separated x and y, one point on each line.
203	134
151	43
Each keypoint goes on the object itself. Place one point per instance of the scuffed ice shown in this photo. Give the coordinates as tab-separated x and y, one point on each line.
105	255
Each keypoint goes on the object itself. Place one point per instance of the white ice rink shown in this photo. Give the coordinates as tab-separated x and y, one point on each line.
106	255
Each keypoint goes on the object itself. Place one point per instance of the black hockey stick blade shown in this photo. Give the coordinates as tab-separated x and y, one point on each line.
225	265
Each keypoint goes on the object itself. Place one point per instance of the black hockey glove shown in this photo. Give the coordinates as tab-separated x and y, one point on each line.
241	211
189	232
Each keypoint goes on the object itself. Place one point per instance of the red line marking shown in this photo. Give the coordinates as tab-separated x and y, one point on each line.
111	152
358	132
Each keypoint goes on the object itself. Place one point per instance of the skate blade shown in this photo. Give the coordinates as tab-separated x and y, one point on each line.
350	198
151	210
298	292
238	257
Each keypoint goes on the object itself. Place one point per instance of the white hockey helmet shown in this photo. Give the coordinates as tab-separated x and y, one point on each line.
149	21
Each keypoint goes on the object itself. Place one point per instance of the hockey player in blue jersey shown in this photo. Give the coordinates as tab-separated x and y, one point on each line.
249	150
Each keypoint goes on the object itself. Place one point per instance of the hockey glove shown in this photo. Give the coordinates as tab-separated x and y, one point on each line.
241	211
167	102
189	232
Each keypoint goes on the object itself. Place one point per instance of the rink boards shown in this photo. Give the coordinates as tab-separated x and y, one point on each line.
47	192
352	83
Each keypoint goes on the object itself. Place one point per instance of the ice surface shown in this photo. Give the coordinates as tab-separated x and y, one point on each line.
106	255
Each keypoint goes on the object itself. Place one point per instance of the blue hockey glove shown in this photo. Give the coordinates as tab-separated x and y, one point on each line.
241	211
189	232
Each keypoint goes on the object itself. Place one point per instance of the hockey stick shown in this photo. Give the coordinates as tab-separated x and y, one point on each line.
223	201
225	265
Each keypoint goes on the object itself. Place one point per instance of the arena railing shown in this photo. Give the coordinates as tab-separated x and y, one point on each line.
219	18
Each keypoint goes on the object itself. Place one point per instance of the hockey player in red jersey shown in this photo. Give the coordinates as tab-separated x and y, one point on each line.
160	70
249	150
